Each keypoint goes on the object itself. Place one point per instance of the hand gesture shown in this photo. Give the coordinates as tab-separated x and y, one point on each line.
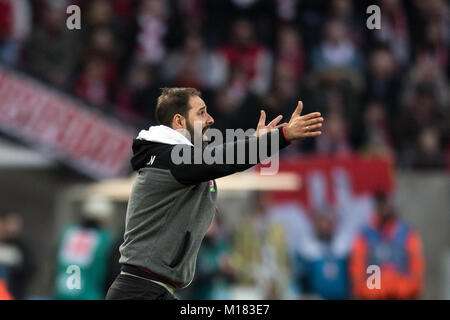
273	125
300	127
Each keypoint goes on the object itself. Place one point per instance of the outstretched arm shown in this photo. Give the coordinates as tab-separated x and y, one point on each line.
299	127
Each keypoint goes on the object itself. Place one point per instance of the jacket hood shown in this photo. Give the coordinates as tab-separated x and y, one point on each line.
149	141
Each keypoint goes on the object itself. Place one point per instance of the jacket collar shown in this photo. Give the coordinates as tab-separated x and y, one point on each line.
163	134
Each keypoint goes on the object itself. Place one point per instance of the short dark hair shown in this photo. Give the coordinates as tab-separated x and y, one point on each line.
173	101
381	197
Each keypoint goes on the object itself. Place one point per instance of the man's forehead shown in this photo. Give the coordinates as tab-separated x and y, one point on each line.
196	102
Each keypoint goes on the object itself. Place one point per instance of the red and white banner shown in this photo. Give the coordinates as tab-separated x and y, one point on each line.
327	180
63	128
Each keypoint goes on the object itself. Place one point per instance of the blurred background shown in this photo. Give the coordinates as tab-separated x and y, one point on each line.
373	189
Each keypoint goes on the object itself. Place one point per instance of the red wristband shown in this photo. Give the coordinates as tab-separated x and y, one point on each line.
284	134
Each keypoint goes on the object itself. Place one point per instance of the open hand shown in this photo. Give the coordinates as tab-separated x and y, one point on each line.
300	127
273	125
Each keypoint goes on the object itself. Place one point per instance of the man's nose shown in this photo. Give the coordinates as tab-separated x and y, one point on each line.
210	120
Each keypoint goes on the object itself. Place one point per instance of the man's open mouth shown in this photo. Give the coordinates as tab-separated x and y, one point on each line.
204	137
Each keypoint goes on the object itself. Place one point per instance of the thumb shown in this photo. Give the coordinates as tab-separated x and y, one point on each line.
284	124
262	119
297	110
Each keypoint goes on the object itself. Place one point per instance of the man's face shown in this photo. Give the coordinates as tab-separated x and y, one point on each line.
324	226
198	120
10	226
384	209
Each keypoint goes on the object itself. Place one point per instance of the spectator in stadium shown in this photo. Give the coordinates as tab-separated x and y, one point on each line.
124	10
151	19
434	45
88	245
290	51
395	29
226	109
422	112
426	73
100	14
96	82
15	26
237	87
193	13
285	87
283	94
194	66
136	98
334	140
344	11
102	43
51	52
335	82
389	243
375	135
435	12
322	270
428	152
248	58
287	10
260	254
100	72
16	262
382	82
329	92
336	50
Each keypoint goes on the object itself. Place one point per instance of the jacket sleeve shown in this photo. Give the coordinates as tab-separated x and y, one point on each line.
393	283
357	267
409	285
357	270
199	169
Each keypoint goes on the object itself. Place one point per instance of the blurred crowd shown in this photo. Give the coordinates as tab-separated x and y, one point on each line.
272	251
383	92
284	252
83	262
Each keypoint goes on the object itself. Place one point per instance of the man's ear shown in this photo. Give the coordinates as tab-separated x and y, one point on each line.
178	121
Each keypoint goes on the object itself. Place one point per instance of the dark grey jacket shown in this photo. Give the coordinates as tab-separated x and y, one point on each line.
171	207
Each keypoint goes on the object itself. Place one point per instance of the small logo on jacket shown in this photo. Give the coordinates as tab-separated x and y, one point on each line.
152	159
211	186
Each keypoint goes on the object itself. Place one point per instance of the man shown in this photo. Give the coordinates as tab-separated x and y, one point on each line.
389	243
260	255
17	265
322	269
87	244
172	204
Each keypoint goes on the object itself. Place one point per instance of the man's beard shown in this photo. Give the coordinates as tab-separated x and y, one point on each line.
191	131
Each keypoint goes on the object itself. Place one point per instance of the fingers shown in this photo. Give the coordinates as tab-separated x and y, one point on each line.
297	110
262	119
275	121
310	128
313	121
312	134
310	116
